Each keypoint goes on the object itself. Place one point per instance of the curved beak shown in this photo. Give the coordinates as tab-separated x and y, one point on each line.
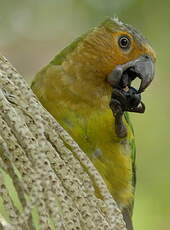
142	67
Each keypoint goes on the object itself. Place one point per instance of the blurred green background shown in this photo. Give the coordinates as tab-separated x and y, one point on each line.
33	31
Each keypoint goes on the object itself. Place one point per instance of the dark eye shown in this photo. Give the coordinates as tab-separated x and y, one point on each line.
124	42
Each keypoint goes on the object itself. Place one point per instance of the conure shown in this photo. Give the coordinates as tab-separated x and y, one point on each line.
76	88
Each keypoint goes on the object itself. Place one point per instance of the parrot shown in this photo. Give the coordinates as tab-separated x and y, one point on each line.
87	87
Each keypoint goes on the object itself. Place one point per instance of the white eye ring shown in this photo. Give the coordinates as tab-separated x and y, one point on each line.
124	42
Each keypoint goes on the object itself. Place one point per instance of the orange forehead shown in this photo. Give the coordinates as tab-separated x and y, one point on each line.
99	52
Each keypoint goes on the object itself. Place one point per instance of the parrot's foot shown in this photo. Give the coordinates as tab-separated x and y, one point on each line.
127	99
139	109
130	99
116	108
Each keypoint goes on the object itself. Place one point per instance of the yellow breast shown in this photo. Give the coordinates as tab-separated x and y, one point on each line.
111	155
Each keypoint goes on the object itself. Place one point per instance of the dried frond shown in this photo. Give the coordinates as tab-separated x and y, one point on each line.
46	180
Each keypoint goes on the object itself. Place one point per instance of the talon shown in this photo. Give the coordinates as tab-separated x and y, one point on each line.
139	109
142	107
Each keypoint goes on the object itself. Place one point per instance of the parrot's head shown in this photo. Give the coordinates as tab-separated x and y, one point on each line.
112	54
107	57
134	56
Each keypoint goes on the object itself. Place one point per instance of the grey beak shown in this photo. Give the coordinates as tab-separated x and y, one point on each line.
143	67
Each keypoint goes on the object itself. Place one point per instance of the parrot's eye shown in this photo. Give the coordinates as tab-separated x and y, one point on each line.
124	42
